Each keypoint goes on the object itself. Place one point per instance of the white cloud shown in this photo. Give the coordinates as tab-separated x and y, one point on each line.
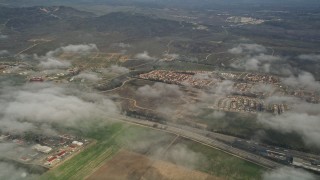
248	48
53	63
114	69
263	88
10	172
303	118
159	90
80	48
118	69
37	106
223	88
123	45
303	80
256	59
90	76
181	155
261	62
144	56
4	52
51	60
310	57
3	36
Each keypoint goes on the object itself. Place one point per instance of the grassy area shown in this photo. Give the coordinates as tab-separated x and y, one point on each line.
218	163
144	140
111	138
80	165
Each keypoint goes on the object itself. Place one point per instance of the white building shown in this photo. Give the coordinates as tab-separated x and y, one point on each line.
44	149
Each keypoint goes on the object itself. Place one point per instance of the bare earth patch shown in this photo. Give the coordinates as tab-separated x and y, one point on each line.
132	166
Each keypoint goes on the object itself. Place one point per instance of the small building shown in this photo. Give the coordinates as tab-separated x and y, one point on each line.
51	160
36	79
62	153
25	159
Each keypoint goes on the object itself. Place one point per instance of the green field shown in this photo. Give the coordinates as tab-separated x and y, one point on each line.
80	165
237	124
218	163
111	138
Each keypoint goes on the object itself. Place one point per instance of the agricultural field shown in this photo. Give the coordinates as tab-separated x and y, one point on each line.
109	140
155	151
93	156
218	163
129	165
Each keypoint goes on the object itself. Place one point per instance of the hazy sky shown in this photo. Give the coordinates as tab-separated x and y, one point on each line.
184	3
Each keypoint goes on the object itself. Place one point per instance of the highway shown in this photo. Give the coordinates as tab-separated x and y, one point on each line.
204	137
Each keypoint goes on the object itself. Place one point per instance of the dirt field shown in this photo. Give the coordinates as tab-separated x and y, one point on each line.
132	166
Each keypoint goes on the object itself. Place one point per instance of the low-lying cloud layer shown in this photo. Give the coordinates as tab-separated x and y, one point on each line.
52	61
303	80
10	172
310	57
261	63
303	118
44	108
36	107
223	88
256	58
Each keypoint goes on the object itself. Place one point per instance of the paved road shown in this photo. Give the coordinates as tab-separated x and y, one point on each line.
201	137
